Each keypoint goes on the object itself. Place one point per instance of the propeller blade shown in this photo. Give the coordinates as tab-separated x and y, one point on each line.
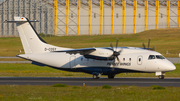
111	57
120	51
113	65
143	45
119	61
115	54
149	42
111	46
116	44
117	58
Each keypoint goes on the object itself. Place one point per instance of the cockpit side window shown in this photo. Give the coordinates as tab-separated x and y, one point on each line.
155	57
159	57
151	57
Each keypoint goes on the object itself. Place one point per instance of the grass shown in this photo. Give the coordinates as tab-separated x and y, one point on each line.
87	93
29	70
156	87
12	59
59	85
163	39
106	87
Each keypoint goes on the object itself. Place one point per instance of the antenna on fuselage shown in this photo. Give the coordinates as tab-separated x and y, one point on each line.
149	41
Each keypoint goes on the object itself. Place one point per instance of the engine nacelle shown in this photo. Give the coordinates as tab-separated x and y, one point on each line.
100	54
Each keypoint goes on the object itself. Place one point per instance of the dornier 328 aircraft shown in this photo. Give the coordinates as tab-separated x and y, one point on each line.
96	61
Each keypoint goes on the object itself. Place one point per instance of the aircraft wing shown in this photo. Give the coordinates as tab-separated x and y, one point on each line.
82	51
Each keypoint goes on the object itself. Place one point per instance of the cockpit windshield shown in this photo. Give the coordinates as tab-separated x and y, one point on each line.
151	57
155	57
159	57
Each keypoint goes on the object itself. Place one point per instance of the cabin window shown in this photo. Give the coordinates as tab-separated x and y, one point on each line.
123	59
81	59
151	57
129	59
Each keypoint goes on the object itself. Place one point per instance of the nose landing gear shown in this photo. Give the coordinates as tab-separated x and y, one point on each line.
161	76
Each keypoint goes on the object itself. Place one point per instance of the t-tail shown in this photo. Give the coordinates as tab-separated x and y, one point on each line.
31	41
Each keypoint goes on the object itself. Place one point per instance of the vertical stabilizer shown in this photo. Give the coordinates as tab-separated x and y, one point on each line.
31	41
29	38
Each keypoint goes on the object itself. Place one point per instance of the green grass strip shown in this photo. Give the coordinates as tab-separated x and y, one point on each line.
87	93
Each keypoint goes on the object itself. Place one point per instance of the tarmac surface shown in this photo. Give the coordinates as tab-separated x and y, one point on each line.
175	82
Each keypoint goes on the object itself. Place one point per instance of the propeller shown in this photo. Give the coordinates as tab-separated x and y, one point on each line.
116	53
149	41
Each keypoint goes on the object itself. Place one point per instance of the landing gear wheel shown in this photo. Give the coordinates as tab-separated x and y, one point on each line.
111	76
161	76
95	76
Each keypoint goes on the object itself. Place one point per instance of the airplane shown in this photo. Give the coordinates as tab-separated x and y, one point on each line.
96	61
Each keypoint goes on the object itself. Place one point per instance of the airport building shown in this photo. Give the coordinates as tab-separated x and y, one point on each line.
90	17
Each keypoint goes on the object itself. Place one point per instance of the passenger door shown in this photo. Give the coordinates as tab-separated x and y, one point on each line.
139	60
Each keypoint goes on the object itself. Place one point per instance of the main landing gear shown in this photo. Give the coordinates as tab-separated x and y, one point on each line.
111	76
96	75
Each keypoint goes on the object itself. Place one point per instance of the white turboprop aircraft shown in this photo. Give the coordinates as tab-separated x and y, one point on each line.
95	61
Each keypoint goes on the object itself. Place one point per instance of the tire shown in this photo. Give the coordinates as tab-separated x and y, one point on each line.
111	76
95	76
161	76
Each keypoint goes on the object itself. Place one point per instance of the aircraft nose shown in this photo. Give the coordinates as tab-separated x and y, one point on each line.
170	66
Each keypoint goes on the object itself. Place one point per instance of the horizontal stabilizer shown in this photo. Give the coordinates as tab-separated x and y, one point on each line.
6	21
20	20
